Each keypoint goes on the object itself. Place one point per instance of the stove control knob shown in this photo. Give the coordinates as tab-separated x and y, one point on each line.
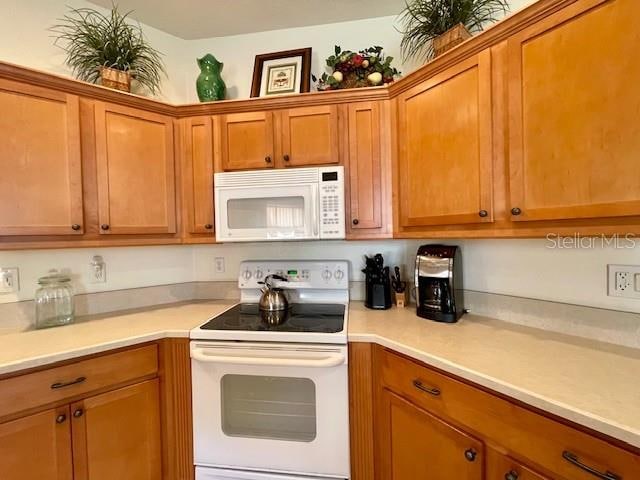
338	274
258	274
246	274
326	275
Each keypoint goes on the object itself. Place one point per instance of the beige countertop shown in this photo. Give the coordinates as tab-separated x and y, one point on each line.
593	384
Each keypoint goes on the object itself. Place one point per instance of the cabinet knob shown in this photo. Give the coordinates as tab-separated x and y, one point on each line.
208	226
470	454
483	213
104	226
78	413
267	159
516	211
61	418
355	221
286	158
512	475
75	227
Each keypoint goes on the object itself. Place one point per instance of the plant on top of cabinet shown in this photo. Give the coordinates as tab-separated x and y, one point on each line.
108	48
432	27
366	68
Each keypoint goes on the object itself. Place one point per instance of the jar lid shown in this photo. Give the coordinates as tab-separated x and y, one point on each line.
53	276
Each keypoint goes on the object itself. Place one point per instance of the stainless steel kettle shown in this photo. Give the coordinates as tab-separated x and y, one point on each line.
273	299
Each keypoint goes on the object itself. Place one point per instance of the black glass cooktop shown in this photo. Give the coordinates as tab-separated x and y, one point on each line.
308	317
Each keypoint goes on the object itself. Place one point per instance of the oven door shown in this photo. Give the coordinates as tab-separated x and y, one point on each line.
276	408
285	212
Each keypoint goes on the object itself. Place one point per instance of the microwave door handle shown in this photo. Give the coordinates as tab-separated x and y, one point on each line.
315	207
329	360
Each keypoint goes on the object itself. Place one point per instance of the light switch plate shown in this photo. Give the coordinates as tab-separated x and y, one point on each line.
9	280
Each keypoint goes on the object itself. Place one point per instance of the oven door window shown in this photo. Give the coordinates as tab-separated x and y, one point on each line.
276	408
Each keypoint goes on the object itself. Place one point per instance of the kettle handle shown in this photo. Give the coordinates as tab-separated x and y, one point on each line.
273	276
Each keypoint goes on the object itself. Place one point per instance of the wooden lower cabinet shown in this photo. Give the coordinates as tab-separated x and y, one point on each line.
419	445
37	447
117	434
502	467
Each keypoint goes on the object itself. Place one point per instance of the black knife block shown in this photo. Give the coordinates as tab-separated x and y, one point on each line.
378	292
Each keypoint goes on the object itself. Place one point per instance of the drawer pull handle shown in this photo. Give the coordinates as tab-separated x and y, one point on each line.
512	475
431	391
58	385
574	460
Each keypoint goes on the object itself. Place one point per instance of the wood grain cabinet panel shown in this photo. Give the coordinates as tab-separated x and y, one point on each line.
573	113
135	166
367	169
37	447
247	141
445	147
310	136
419	445
197	172
116	435
502	467
41	179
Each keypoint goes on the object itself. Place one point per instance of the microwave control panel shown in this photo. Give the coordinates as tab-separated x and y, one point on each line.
332	213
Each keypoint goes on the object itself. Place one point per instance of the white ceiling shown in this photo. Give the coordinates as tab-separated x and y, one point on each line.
193	19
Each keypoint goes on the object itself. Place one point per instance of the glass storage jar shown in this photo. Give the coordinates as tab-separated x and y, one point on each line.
54	300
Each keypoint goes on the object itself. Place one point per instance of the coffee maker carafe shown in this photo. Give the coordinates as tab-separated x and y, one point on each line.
438	281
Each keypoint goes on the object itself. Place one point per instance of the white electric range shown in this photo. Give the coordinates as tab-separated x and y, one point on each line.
270	395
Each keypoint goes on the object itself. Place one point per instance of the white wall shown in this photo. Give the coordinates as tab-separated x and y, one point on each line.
524	268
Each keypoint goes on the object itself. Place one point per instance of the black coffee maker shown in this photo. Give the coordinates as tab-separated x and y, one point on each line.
438	280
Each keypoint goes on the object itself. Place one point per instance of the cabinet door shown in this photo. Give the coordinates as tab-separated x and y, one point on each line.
136	178
445	147
310	136
37	447
502	467
247	140
41	181
414	444
198	174
116	435
573	113
367	170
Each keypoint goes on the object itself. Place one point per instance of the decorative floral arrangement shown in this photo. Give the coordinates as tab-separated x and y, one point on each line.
366	68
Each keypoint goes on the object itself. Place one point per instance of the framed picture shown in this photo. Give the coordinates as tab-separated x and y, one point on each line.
280	73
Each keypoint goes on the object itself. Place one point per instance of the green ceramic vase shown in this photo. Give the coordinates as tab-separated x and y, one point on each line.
209	84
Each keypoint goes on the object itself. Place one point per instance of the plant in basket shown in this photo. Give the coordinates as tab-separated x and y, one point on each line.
366	68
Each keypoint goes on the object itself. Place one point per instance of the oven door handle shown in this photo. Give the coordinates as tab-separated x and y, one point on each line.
328	360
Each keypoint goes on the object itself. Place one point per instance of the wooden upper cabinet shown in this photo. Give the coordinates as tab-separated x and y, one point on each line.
116	435
37	447
310	136
198	174
41	180
247	141
367	167
445	147
135	167
414	444
573	113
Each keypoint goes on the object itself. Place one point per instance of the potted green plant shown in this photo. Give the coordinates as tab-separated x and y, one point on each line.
432	27
109	49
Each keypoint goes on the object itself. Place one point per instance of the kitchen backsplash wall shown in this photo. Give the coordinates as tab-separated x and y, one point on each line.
522	268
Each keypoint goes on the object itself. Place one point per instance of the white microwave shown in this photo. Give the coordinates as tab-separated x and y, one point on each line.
287	204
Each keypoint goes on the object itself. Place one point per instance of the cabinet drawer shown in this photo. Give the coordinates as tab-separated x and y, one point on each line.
59	383
527	436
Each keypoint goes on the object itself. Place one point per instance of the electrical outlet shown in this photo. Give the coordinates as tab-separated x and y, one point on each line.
97	270
219	264
9	280
624	281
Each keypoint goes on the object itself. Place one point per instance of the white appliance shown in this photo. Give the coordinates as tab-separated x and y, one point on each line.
283	204
270	401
